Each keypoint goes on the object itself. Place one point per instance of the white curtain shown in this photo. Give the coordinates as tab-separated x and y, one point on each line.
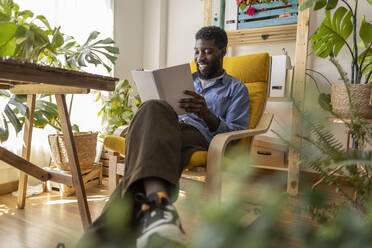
77	18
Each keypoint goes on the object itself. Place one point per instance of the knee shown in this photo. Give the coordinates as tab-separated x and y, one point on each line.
156	104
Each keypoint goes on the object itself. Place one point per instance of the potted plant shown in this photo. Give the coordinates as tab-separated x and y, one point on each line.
331	36
118	107
22	38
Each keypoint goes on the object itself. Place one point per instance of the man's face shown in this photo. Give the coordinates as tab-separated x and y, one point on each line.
208	58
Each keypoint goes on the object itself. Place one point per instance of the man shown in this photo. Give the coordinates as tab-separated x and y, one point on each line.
159	143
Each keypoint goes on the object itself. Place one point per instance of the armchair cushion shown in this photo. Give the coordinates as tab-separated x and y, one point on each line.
115	143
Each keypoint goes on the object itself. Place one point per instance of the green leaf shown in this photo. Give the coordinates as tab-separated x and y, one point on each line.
370	2
39	120
20	106
20	98
40	35
57	40
4	93
75	128
46	106
8	49
319	4
365	31
332	34
4	17
306	5
81	59
26	14
331	4
69	45
367	64
243	6
110	57
93	35
43	20
4	129
13	118
7	32
324	101
99	94
110	49
105	41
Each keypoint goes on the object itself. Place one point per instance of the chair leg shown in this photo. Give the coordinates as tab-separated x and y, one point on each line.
113	160
214	170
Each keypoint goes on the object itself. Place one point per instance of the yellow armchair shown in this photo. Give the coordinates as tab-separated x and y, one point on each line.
253	71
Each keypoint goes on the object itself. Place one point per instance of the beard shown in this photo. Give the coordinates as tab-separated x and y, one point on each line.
213	67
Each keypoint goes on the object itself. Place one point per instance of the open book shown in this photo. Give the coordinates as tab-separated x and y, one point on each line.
166	84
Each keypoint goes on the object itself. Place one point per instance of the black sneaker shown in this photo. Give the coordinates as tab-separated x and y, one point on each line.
159	221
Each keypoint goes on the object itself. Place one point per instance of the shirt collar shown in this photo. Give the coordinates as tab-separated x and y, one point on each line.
198	86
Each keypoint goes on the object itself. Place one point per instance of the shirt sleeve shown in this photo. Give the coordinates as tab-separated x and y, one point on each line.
238	114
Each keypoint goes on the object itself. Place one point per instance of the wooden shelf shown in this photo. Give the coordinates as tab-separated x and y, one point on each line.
342	121
281	33
279	99
270	167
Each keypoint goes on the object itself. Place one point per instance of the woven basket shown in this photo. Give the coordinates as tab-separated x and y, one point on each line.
85	143
361	94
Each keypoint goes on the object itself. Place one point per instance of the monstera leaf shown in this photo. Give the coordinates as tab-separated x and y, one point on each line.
365	58
319	4
333	32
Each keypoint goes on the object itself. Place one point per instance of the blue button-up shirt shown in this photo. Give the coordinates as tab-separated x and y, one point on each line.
228	99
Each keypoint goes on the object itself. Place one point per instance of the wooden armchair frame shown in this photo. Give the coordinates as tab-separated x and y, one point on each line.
216	153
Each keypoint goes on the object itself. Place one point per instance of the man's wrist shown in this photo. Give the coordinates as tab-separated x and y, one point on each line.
212	121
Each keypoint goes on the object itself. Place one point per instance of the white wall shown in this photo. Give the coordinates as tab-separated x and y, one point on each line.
129	35
184	18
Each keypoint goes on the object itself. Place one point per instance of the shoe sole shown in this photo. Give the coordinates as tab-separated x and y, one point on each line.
167	231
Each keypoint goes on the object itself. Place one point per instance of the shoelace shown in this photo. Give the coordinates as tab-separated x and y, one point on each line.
142	199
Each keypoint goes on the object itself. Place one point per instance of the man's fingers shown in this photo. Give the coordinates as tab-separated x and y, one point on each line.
192	100
192	93
194	110
191	105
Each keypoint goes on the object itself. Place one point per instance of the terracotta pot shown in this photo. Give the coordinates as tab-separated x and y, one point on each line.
361	94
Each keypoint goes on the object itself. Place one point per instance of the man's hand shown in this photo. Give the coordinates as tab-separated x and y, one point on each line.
196	104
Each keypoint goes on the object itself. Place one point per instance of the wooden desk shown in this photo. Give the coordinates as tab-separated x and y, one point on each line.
28	78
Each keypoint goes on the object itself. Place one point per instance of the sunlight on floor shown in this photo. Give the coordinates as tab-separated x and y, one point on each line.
90	199
5	210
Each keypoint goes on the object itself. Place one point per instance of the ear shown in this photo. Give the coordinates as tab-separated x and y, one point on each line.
223	51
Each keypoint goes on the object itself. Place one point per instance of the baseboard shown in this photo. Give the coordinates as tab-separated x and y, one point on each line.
9	187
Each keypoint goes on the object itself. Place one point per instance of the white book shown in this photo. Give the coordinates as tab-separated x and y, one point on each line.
165	84
231	15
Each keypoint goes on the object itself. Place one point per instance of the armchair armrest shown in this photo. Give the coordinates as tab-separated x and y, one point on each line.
217	149
121	131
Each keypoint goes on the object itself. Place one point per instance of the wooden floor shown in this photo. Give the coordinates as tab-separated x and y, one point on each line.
49	218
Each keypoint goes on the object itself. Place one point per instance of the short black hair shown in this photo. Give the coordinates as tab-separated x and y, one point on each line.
213	33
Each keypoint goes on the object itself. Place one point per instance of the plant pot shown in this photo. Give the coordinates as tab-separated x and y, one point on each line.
85	143
361	95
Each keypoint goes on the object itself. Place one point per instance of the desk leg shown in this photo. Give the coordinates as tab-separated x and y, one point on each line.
26	149
74	162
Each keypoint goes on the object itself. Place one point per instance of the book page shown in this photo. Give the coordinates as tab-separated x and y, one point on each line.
145	84
171	82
